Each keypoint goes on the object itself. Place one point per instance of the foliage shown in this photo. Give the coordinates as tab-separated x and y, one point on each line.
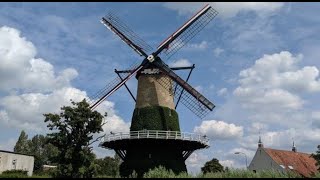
212	166
73	133
38	147
108	166
155	118
238	173
162	172
316	156
22	145
14	174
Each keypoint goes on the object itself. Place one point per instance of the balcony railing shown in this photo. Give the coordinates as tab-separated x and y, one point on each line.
155	134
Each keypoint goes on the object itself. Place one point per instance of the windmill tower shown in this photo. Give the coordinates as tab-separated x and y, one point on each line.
155	137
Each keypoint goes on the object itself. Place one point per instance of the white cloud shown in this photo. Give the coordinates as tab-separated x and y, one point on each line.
199	46
227	163
217	51
180	63
38	89
271	90
195	161
219	130
222	92
241	158
26	110
257	127
227	9
19	69
113	122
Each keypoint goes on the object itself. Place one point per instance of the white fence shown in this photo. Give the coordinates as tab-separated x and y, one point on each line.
155	134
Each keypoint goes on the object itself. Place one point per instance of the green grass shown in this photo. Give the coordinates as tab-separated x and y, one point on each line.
233	173
161	172
17	175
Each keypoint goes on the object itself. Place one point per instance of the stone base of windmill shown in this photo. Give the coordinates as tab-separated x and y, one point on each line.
154	140
147	149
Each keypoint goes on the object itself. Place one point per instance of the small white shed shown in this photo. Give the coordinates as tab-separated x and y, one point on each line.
16	161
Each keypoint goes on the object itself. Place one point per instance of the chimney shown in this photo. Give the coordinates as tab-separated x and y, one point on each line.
294	149
260	145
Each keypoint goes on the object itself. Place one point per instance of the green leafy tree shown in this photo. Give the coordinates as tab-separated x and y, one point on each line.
73	131
38	147
317	157
108	166
212	166
42	151
22	145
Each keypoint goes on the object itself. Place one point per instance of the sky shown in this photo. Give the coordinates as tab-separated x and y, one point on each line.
258	62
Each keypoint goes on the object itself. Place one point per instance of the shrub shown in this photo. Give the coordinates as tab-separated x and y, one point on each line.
155	118
14	174
161	172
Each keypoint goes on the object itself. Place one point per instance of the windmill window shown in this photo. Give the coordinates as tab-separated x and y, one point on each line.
169	112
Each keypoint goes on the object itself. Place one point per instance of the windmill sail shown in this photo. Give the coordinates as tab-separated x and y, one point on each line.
187	31
111	87
192	99
114	24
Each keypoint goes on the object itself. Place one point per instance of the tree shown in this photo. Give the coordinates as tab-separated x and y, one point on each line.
37	147
317	157
108	166
22	145
42	151
73	133
212	166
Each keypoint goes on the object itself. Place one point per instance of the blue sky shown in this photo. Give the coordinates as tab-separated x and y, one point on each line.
258	62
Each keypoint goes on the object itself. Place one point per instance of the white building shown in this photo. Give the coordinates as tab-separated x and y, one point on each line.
281	160
16	161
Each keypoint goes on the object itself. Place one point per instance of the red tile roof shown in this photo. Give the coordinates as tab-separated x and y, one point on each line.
302	163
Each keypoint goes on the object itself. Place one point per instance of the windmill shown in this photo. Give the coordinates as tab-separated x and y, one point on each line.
155	138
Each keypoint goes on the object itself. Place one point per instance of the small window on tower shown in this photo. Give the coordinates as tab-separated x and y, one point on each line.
169	112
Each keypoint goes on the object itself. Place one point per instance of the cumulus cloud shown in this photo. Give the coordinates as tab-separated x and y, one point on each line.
19	69
31	87
227	163
257	127
271	90
195	161
227	9
25	110
219	130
